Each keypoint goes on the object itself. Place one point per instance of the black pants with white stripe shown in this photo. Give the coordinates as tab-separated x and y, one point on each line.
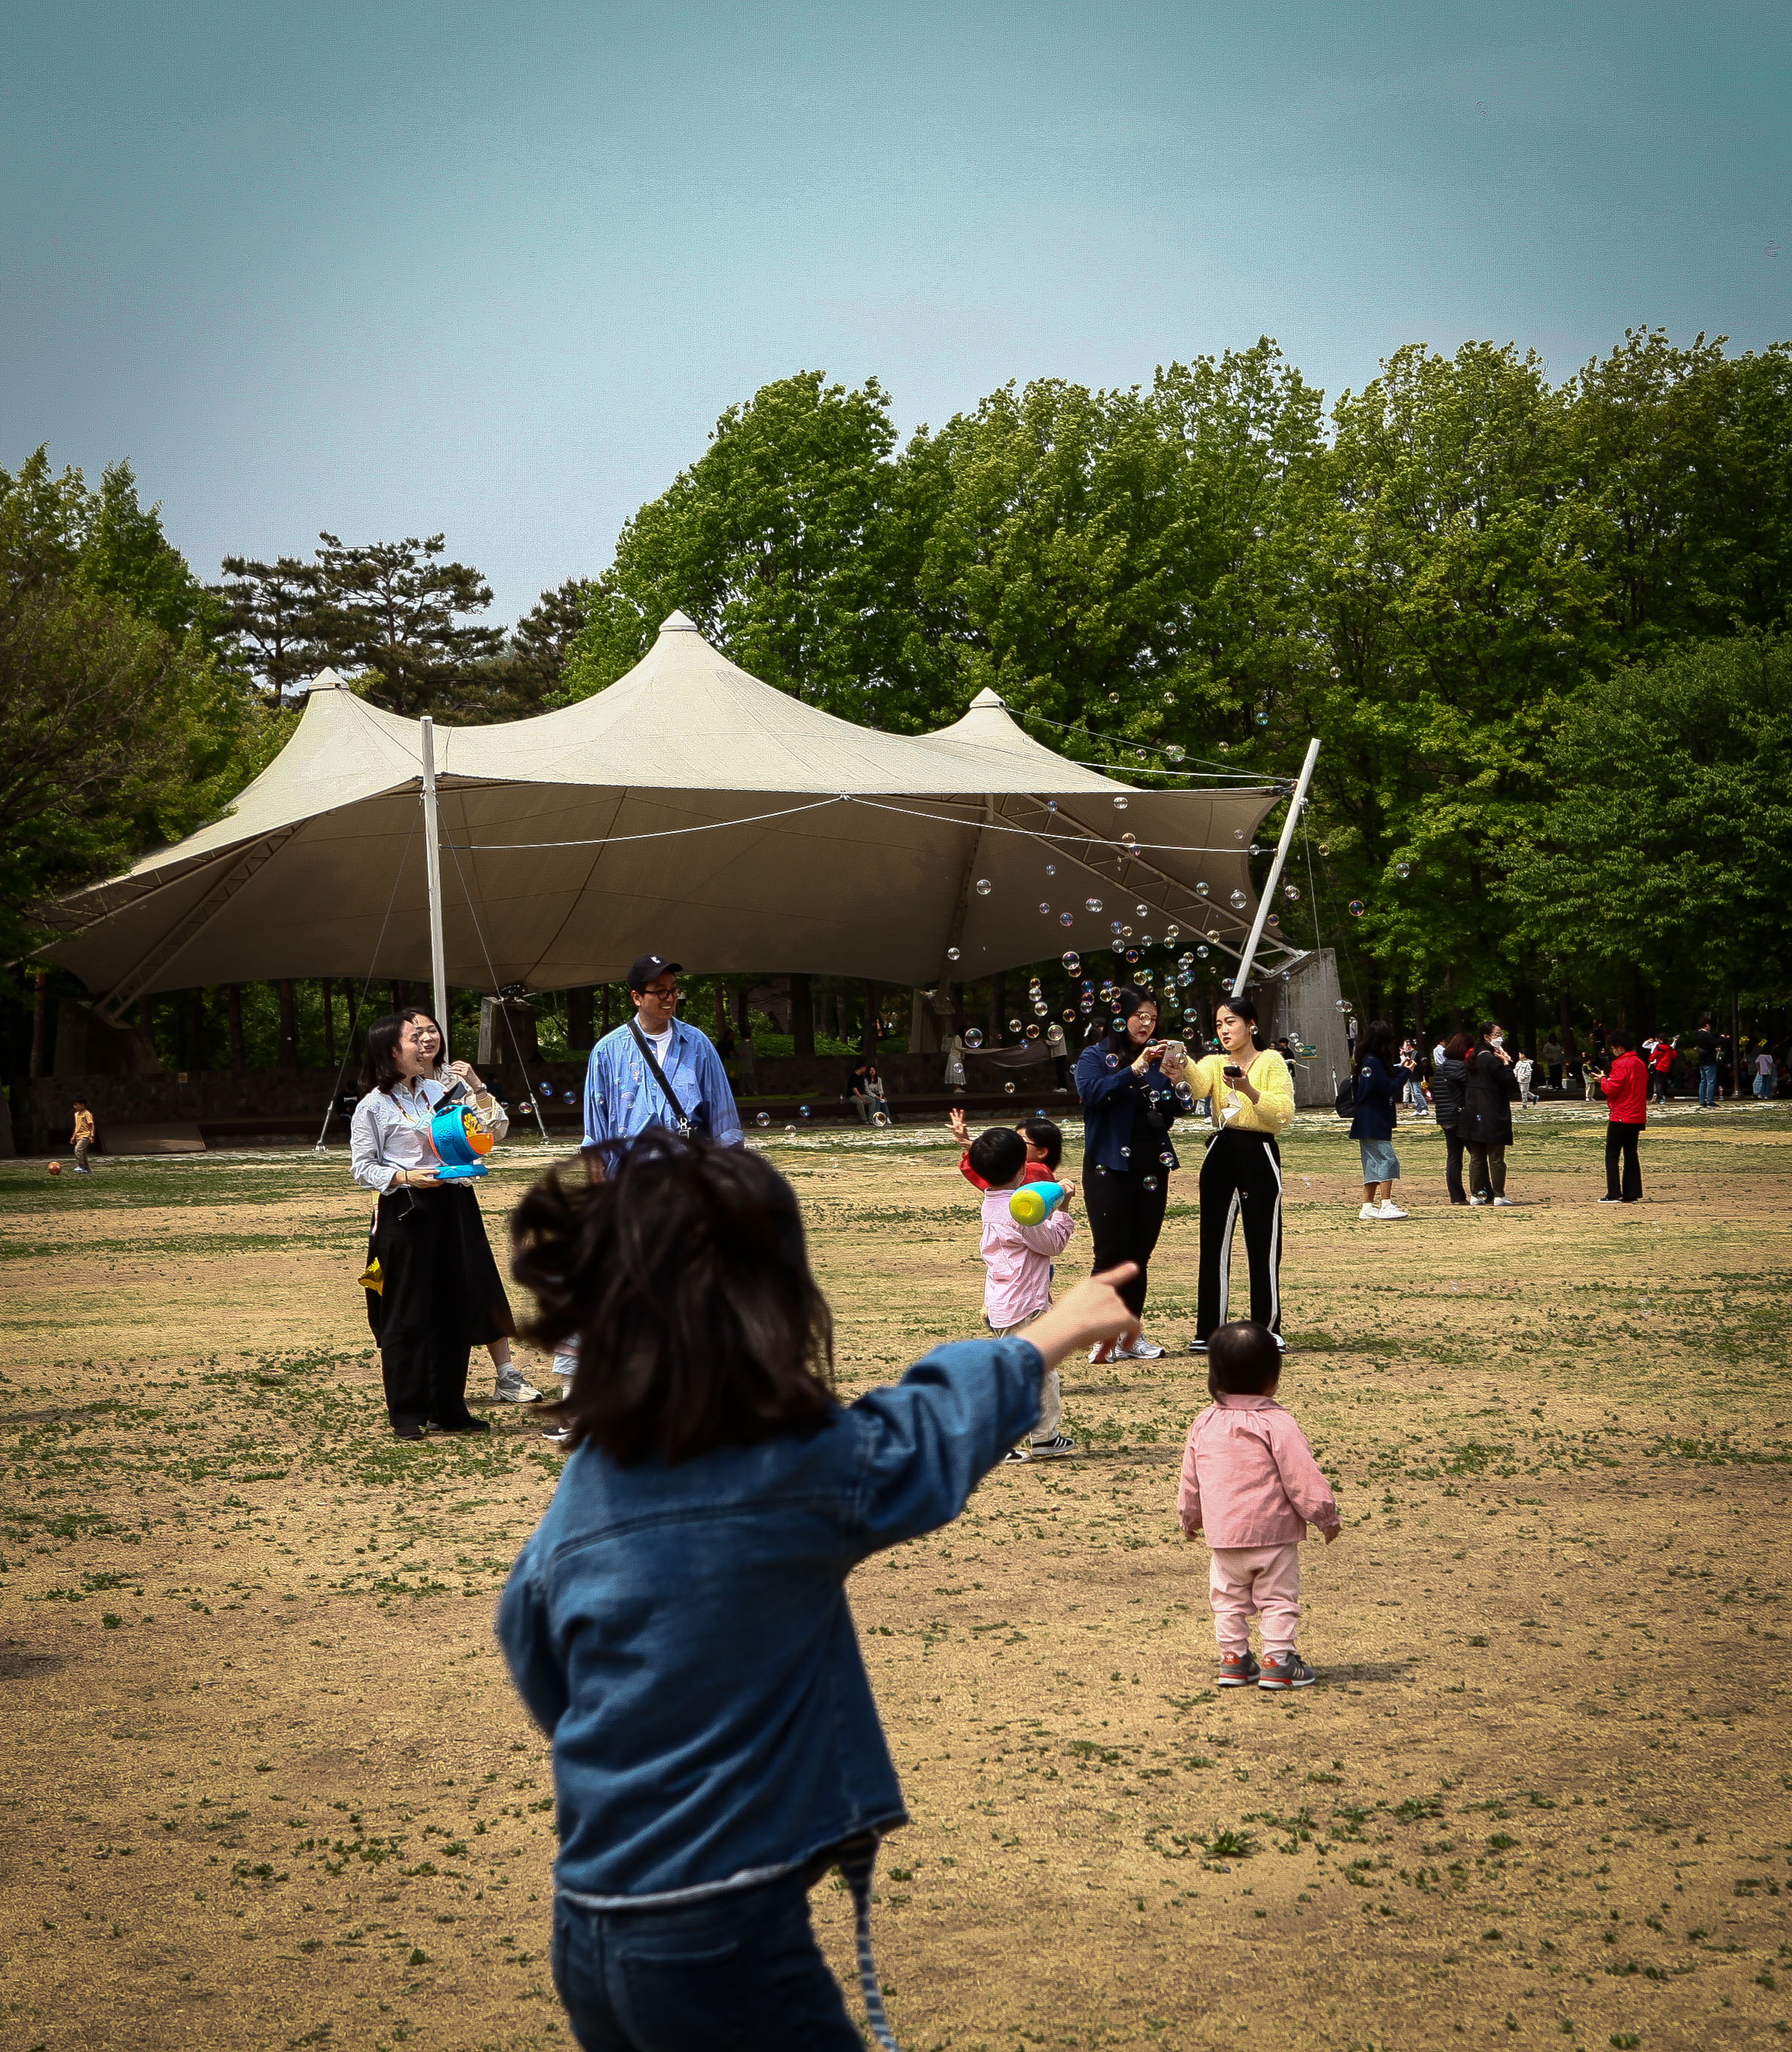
1240	1180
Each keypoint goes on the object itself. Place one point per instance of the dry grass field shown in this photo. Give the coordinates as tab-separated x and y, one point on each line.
266	1786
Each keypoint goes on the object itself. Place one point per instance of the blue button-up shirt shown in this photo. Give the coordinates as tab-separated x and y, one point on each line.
623	1099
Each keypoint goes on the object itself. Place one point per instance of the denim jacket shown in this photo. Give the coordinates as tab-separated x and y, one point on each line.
1110	1093
682	1633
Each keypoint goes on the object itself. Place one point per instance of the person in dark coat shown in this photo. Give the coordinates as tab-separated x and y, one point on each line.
1377	1090
1449	1084
1487	1125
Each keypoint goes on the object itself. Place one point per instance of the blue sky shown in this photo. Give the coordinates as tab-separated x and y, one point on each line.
494	270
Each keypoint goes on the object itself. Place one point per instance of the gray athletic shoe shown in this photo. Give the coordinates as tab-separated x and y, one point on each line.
1290	1672
513	1387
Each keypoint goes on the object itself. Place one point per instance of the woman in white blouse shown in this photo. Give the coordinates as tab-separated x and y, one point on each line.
441	1294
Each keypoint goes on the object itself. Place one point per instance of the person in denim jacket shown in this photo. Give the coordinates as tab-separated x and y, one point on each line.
678	1623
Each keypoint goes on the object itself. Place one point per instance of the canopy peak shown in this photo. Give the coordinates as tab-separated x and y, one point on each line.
327	680
678	623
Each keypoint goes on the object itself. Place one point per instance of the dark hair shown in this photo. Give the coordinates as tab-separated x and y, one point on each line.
1459	1044
1243	1360
1127	999
1621	1036
379	1066
82	1100
1045	1136
682	1275
1239	1007
1489	1026
999	1156
1378	1040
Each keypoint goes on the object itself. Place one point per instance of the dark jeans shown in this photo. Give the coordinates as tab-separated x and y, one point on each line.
1621	1148
1126	1216
1452	1165
1708	1083
1487	1168
740	1969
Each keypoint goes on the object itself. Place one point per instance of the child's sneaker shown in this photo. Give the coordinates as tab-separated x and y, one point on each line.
1053	1449
1238	1670
1289	1672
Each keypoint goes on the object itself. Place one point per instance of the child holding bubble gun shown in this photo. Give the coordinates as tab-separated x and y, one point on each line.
678	1625
1025	1226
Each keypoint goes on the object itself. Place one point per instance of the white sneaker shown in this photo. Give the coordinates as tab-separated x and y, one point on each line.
1368	1212
1103	1354
1388	1209
1477	1201
1141	1349
1506	1204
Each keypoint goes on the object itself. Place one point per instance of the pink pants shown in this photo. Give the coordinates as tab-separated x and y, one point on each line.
1263	1579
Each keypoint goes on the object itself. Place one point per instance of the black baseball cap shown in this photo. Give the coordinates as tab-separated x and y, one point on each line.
644	969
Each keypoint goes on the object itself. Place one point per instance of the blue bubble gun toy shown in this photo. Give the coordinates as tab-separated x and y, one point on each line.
457	1138
1034	1203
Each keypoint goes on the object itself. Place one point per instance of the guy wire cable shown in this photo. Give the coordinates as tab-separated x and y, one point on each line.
503	1005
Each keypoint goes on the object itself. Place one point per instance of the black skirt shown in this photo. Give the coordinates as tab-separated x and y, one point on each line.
438	1268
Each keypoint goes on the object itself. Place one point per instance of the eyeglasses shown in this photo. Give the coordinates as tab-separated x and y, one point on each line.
663	990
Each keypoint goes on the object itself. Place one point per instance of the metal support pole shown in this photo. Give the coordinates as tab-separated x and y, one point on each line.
1275	876
432	869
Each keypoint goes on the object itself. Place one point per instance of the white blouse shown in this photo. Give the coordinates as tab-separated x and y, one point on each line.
390	1128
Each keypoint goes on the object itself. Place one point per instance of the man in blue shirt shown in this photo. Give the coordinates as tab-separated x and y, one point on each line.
622	1095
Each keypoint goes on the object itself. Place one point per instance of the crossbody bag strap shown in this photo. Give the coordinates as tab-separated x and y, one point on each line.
680	1117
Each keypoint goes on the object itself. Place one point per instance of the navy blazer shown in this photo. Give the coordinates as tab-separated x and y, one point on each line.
1111	1093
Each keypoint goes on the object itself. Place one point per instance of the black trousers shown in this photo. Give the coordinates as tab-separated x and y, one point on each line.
1241	1179
1452	1165
1126	1216
1621	1154
442	1297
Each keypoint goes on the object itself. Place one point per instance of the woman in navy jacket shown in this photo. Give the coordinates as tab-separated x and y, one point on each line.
1372	1128
1127	1083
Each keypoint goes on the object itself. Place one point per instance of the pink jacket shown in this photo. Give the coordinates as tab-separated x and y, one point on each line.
1249	1478
1019	1259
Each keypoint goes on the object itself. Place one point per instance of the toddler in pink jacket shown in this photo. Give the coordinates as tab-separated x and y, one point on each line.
1018	1265
1251	1484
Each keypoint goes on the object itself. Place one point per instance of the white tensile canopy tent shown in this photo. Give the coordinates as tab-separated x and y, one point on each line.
690	809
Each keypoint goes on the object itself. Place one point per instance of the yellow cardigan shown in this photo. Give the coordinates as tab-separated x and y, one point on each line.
1267	1075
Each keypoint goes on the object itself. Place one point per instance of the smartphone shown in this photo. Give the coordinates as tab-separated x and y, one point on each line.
1233	1073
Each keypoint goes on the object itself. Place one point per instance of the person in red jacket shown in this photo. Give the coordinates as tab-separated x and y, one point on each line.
1625	1086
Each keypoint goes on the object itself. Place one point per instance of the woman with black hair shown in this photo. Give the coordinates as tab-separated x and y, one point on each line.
1378	1092
438	1294
1250	1095
1128	1082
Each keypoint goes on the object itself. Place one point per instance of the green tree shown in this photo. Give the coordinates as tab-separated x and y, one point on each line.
775	542
1663	851
271	612
393	609
527	675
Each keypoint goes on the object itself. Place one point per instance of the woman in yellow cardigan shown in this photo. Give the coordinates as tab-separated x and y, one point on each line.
1251	1097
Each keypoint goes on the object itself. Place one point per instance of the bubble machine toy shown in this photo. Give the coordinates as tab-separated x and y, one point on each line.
457	1138
1032	1203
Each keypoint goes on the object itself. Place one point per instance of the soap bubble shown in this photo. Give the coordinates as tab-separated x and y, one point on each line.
984	887
1117	1023
1069	1016
1324	848
973	1037
1292	892
951	955
1226	748
1032	1032
1167	1159
1045	911
1203	952
1143	911
1402	869
1067	918
1238	901
1129	840
1041	1011
1145	941
764	1118
1272	920
1334	669
1126	1154
791	1131
880	1118
1171	934
1009	1088
1051	869
1072	961
1255	849
1119	805
1014	1025
803	1111
1126	931
1114	927
1202	888
1358	908
1173	752
1093	904
1150	1182
1237	833
1132	955
1114	1060
1051	805
1262	719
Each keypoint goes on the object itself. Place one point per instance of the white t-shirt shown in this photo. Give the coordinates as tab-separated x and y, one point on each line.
659	1043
